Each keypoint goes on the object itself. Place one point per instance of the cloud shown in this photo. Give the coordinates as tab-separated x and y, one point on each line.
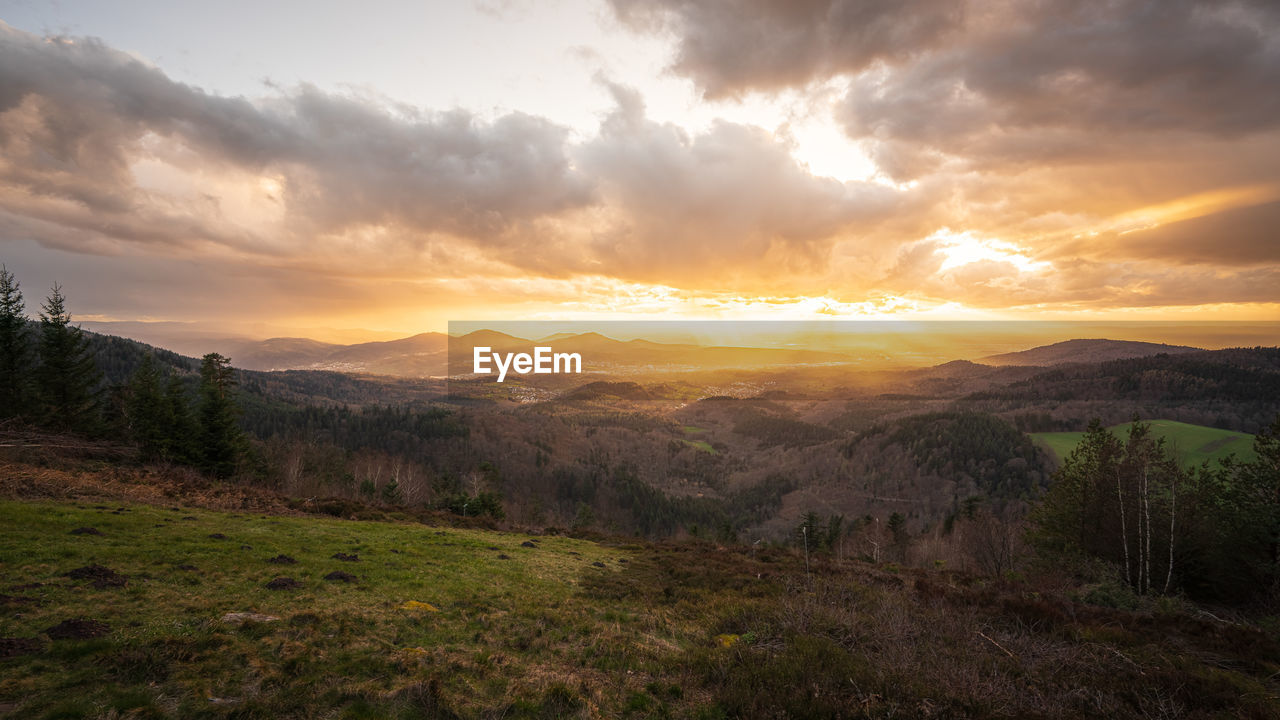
1237	237
934	70
1065	81
732	198
1108	281
76	117
1054	124
1071	137
741	45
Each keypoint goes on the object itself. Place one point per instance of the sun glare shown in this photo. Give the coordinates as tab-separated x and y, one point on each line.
828	152
959	249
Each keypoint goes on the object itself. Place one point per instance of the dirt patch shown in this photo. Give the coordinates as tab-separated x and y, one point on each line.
13	647
217	536
83	480
100	576
504	557
339	576
17	600
284	583
86	531
187	568
345	557
78	629
282	560
527	544
240	618
1218	444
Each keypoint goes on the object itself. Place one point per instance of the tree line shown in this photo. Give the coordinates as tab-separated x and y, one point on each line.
49	379
1212	532
59	379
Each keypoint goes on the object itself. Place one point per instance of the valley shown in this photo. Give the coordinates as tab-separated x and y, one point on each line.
654	541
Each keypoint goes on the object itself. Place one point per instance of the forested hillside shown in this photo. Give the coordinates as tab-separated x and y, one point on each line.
1230	389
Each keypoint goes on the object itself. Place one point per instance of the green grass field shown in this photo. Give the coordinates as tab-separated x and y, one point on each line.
702	445
1193	444
439	624
169	654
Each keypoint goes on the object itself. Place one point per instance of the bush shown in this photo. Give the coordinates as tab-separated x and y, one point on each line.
485	504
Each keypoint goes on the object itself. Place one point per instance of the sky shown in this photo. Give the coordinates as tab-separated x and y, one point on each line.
392	166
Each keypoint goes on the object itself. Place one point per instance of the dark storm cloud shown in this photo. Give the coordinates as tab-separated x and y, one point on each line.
74	113
1069	81
738	45
1023	80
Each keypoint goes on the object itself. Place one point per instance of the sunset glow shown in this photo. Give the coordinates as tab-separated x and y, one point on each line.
642	160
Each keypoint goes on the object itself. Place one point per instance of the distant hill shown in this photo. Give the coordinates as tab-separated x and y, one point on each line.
1236	388
953	369
118	358
621	390
278	353
422	355
1084	351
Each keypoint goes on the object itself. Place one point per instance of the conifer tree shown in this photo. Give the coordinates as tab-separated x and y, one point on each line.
897	525
181	434
222	440
67	380
148	412
1073	517
15	348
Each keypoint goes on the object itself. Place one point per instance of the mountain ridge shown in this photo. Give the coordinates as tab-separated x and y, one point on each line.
1084	350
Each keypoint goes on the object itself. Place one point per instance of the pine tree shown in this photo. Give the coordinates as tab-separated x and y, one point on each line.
67	379
180	436
222	440
835	528
147	411
808	534
1238	549
898	531
1084	500
15	348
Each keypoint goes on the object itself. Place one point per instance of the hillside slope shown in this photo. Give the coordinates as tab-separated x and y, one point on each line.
167	612
1084	351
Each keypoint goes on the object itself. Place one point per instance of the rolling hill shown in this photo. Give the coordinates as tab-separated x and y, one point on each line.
421	355
1084	351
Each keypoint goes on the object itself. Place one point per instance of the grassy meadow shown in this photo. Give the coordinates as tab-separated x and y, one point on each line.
1193	444
413	596
448	622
